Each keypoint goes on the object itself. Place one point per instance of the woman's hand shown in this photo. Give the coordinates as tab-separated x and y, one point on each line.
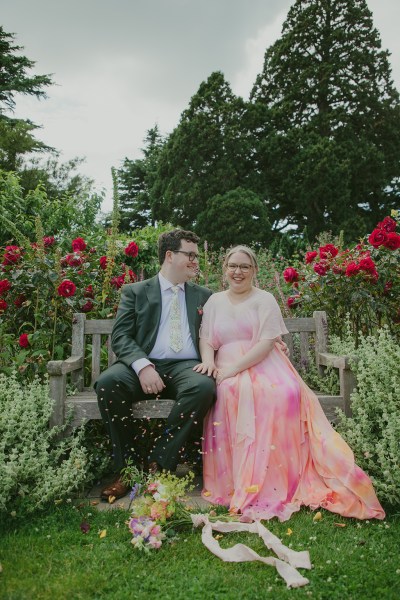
226	373
206	368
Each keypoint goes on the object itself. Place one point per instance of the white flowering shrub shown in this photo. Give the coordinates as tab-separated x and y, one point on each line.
36	467
373	431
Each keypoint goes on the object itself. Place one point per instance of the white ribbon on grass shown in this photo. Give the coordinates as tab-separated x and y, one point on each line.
285	564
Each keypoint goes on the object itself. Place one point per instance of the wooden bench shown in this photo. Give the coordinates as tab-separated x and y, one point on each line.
84	402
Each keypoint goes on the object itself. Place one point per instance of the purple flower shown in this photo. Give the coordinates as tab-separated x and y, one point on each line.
134	492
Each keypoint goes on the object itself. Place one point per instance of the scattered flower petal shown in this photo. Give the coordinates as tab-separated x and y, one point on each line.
103	533
317	517
85	527
289	531
252	489
111	499
340	524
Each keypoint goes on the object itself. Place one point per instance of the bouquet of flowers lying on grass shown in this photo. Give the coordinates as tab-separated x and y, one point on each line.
157	504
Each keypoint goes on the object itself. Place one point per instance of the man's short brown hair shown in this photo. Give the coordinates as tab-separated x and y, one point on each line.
171	240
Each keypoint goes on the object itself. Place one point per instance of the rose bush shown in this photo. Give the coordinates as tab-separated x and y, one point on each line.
363	281
44	282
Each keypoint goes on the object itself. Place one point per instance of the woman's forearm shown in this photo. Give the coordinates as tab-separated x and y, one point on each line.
207	352
255	355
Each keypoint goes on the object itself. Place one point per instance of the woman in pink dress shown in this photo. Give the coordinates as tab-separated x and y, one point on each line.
268	448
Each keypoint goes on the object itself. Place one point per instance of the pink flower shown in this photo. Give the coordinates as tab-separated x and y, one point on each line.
290	275
66	289
393	241
3	305
132	250
328	251
388	224
78	244
23	340
310	256
321	268
5	285
377	238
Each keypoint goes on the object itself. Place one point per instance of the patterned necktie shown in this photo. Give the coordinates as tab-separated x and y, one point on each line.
175	329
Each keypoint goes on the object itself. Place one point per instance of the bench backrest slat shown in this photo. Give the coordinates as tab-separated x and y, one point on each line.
100	332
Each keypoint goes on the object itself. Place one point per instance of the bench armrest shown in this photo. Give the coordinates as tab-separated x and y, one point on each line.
61	367
347	378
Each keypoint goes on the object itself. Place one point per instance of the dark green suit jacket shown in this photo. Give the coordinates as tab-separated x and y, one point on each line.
138	318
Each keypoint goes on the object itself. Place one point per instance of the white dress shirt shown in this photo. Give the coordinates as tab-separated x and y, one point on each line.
161	347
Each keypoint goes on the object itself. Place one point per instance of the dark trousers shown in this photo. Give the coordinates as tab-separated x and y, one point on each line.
119	387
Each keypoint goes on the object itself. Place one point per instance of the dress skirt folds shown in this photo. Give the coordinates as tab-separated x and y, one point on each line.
268	447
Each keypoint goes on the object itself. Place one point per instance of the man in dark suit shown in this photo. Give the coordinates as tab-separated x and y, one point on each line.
156	341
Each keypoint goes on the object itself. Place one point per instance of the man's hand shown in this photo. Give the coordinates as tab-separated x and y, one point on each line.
205	367
283	346
150	380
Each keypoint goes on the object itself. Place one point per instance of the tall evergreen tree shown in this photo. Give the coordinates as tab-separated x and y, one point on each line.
135	182
16	138
207	154
328	120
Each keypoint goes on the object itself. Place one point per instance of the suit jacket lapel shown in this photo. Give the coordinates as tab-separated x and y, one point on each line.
191	307
153	293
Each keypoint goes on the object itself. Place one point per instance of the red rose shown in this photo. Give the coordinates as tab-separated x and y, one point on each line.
352	269
118	282
103	262
338	269
5	285
49	240
74	260
310	256
321	268
78	244
328	251
3	305
377	238
87	307
292	301
88	293
12	255
19	300
23	340
132	275
388	287
92	250
393	241
132	250
66	288
290	275
367	264
388	224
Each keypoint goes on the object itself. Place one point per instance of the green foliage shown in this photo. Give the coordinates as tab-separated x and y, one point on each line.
35	468
207	154
373	431
236	217
59	214
327	148
135	183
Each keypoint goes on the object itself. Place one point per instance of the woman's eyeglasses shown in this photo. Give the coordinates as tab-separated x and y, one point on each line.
243	268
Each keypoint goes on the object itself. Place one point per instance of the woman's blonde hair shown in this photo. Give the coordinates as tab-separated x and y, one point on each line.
246	250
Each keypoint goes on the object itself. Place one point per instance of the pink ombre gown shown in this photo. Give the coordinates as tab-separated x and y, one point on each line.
268	447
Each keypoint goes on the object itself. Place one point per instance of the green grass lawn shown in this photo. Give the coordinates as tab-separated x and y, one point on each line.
48	557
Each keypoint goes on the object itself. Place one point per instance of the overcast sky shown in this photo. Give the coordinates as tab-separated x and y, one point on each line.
121	66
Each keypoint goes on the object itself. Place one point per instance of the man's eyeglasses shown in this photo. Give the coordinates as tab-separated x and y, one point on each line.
192	256
243	268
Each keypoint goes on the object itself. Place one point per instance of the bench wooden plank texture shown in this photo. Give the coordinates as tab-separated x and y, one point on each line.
97	332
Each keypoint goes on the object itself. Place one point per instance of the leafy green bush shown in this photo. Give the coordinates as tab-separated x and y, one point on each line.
373	431
36	466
